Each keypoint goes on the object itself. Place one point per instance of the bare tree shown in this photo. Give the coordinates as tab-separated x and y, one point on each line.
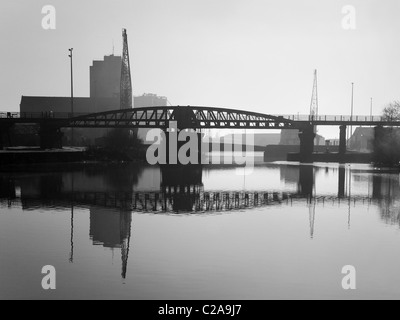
392	112
387	142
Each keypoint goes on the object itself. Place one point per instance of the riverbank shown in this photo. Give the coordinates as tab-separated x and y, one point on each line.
25	156
350	157
70	158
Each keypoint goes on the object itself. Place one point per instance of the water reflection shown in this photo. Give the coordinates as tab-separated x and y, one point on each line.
181	189
306	181
112	193
177	185
342	180
7	188
181	186
112	229
387	192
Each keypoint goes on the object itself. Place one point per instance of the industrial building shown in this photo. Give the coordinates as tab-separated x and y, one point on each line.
105	77
105	80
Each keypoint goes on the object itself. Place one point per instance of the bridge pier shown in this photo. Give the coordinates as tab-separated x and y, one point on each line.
306	181
184	119
5	138
2	142
50	137
173	147
342	143
307	137
342	179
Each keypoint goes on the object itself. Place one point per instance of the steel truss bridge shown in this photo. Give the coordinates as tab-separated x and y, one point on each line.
187	117
195	118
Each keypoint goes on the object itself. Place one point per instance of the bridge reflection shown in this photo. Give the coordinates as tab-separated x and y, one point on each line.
178	189
113	193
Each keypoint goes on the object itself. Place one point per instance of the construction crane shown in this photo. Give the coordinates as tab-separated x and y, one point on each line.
314	98
126	80
125	231
314	101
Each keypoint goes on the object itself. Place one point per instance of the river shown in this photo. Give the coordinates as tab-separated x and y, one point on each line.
280	231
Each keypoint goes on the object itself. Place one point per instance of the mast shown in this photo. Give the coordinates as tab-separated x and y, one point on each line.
126	80
314	98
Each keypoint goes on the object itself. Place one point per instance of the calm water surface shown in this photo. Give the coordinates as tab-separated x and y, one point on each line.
130	232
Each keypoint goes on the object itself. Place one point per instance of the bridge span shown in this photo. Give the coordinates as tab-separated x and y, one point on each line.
189	117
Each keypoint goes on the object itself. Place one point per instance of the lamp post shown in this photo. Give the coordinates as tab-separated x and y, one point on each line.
352	100
72	92
352	110
371	108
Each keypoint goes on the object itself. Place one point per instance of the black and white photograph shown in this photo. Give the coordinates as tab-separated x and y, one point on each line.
199	154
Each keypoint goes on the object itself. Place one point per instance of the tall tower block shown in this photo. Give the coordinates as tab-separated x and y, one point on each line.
126	80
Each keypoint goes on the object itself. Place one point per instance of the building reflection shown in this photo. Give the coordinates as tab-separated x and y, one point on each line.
112	229
93	187
289	174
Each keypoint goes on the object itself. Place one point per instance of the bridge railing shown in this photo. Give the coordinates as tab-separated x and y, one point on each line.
341	118
295	117
40	115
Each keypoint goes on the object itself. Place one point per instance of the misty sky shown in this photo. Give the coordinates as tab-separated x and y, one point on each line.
255	54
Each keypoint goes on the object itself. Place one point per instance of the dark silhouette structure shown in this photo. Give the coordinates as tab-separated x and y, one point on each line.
112	229
181	186
342	180
306	180
105	77
194	118
126	80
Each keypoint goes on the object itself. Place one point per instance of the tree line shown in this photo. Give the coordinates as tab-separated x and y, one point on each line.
387	139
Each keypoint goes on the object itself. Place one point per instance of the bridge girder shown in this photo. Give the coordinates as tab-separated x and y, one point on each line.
204	117
186	117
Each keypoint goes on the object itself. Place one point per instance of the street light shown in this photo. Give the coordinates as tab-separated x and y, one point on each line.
372	102
72	91
352	110
352	100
